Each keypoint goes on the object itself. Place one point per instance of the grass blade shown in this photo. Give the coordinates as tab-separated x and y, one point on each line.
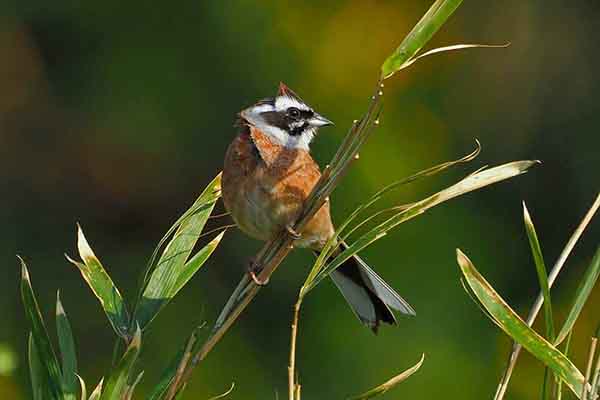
583	291
194	264
537	305
517	329
39	386
97	391
540	267
384	387
42	355
116	384
429	24
472	182
102	285
172	271
68	354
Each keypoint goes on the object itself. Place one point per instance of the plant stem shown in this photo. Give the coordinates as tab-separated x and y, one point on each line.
292	366
588	369
537	306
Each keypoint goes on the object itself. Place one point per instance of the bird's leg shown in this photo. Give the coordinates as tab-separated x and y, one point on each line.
295	235
252	270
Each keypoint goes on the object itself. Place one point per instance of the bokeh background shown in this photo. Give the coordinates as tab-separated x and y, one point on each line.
116	114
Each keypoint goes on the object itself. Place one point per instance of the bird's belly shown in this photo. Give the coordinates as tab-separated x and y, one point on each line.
261	214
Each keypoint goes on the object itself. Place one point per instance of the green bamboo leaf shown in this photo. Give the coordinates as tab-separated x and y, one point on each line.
39	386
477	180
429	24
384	387
102	285
583	291
540	267
116	384
195	263
173	270
517	329
43	357
68	353
97	392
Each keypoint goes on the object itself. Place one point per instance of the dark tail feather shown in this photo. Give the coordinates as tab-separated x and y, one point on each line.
369	296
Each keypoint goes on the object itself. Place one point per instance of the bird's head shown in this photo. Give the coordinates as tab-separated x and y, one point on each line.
285	118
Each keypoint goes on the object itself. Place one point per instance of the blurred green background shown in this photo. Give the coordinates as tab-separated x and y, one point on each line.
116	114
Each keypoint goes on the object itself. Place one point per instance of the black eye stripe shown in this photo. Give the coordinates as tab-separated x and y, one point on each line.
282	120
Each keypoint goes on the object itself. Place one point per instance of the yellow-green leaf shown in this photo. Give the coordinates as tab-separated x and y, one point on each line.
429	24
102	285
173	270
517	329
43	361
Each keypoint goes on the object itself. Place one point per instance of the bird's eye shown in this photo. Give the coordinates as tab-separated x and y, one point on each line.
293	112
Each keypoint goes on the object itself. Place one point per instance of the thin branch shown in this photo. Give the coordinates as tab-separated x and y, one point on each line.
292	366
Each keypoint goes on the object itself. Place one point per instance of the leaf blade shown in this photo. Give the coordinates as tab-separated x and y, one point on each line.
384	387
471	183
170	273
517	329
44	352
583	292
102	286
427	26
116	384
66	344
542	274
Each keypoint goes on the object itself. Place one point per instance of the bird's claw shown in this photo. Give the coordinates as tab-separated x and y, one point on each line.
252	273
292	232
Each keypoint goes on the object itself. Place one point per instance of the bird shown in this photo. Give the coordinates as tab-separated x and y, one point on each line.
268	173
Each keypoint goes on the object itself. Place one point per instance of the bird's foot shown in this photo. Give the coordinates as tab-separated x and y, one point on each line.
295	235
252	272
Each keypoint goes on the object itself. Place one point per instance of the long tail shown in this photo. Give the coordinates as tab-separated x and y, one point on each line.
369	296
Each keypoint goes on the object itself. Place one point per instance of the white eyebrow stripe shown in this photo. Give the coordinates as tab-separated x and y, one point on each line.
285	102
262	108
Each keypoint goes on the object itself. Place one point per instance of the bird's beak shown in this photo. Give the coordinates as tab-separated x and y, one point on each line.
318	121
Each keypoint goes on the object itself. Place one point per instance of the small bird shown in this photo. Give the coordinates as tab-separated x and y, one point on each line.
267	176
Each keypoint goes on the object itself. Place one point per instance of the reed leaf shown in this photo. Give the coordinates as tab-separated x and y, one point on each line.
472	182
517	329
583	292
384	387
43	361
424	30
117	383
542	274
172	271
70	383
102	286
